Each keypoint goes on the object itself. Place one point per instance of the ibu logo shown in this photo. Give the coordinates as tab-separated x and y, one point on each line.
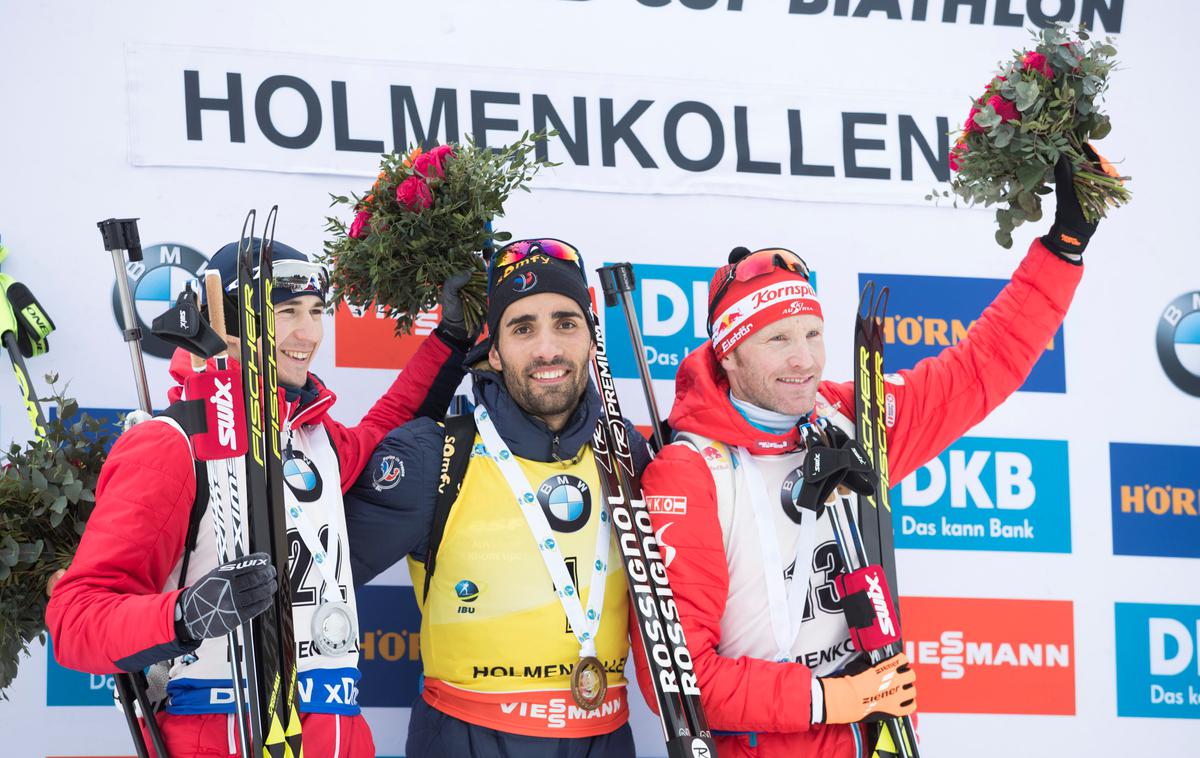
927	314
986	493
672	309
1155	499
1158	660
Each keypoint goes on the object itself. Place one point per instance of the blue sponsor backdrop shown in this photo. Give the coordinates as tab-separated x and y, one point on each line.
1158	654
985	493
67	687
1155	499
389	646
671	303
926	314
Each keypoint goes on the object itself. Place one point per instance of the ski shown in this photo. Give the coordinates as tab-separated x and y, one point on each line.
272	631
676	689
895	737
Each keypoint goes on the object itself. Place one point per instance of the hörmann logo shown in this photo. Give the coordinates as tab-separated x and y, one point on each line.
389	646
1158	660
1155	499
992	656
930	313
985	493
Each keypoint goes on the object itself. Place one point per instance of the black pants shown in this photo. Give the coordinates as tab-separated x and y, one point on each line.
433	734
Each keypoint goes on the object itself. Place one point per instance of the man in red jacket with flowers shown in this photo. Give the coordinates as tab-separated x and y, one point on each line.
773	664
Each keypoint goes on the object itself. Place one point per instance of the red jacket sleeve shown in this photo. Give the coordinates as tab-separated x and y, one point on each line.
110	605
942	397
424	388
738	694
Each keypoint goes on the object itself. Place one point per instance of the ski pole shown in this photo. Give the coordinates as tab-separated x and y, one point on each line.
121	238
8	328
618	283
676	688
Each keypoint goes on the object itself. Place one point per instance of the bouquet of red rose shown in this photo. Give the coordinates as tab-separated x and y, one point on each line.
1042	104
427	216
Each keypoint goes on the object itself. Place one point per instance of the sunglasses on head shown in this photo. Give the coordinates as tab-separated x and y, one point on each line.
756	264
515	252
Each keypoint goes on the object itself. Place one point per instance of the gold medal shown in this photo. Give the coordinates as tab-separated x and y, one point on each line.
589	683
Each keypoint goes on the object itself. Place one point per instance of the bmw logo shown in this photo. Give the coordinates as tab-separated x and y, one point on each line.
154	282
1179	342
567	502
466	591
789	493
301	476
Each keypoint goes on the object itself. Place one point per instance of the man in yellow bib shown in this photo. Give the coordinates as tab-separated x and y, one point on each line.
524	630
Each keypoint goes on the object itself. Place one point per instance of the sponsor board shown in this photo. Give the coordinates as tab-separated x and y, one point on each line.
1178	342
154	282
366	338
1158	660
986	493
671	303
66	687
389	646
991	656
927	314
1155	499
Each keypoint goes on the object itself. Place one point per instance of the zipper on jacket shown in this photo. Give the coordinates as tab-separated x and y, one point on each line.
554	448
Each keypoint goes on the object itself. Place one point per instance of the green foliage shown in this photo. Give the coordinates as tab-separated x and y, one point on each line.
47	492
403	257
1008	163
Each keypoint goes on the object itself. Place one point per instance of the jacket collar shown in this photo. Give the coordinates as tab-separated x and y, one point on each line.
528	436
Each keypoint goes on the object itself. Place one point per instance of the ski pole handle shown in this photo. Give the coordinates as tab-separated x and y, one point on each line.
121	238
616	278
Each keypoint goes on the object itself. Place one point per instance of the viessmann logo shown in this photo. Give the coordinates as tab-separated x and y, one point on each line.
927	314
366	338
991	656
986	493
1155	499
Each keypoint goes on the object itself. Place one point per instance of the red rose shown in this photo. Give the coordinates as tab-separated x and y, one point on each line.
969	125
957	153
439	156
423	164
1005	109
361	225
414	193
1037	62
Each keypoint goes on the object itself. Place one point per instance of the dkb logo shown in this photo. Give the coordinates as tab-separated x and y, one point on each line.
1158	666
988	494
154	282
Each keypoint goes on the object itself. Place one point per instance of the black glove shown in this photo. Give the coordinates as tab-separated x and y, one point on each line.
1071	232
225	598
454	324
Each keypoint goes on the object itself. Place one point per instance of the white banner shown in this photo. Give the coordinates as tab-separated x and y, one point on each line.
243	109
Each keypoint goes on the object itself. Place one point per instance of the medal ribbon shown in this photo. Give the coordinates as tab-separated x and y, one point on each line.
583	625
786	605
326	564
